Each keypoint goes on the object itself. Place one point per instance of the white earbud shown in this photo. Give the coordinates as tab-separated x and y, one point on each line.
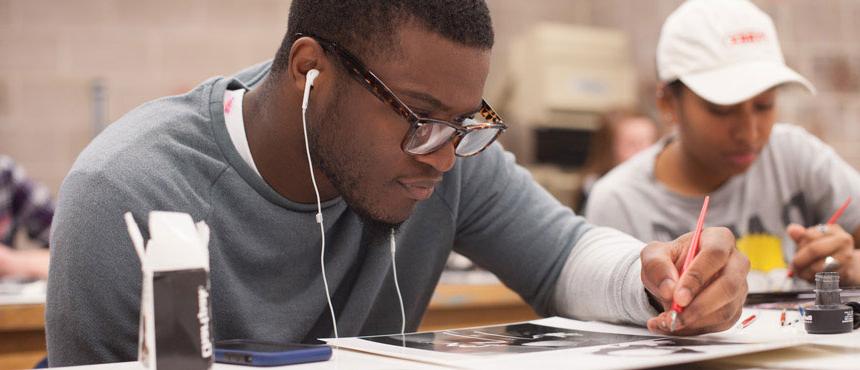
309	84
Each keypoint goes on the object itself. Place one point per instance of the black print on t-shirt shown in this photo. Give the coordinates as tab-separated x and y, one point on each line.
795	211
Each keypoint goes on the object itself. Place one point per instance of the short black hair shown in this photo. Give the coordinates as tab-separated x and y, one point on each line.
368	27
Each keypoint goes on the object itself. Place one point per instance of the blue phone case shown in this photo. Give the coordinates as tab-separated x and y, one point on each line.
287	357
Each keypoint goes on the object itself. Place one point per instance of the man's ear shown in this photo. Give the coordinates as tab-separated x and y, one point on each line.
305	54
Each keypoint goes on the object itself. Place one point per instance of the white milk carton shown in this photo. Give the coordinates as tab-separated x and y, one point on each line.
175	308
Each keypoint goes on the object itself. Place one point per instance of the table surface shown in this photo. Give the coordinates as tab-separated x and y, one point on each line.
342	359
22	318
812	357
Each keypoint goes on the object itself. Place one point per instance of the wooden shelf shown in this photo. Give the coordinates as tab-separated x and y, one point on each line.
22	335
465	305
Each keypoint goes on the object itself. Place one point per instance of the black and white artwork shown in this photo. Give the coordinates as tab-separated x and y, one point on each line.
561	343
529	337
659	347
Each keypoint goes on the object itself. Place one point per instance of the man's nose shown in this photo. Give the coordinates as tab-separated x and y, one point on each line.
441	160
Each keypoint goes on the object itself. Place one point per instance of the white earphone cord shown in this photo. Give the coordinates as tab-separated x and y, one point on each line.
319	217
397	286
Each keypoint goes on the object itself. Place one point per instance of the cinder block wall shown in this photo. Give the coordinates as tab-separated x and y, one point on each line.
53	52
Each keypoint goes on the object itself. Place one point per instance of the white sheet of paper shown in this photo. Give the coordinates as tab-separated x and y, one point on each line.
766	328
15	292
588	345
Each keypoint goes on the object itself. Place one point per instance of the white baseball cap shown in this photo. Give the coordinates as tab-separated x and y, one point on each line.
725	51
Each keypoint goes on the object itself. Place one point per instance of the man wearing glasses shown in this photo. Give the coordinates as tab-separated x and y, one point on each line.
413	153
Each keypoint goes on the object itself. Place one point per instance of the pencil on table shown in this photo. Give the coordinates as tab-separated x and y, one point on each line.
747	322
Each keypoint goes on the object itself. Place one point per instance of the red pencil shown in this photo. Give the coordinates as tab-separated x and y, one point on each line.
691	253
747	322
831	221
839	212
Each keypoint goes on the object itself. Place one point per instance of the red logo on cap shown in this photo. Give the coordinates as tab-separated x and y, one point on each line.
746	38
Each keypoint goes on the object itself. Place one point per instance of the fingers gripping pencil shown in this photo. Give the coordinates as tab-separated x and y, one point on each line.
691	253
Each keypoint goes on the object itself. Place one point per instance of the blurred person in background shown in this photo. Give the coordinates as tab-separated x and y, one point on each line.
24	206
720	66
622	134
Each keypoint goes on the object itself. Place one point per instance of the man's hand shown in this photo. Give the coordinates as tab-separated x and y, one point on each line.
28	264
816	243
712	290
8	263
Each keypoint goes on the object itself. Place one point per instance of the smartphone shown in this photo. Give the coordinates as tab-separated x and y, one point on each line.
261	353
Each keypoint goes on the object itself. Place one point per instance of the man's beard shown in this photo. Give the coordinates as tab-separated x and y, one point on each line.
344	169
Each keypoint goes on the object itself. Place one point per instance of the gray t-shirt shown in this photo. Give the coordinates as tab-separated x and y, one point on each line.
796	179
175	154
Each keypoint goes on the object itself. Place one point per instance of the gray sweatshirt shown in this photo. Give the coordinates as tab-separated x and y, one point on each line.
175	154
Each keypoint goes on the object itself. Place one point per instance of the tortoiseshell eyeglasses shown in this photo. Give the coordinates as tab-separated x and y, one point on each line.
426	135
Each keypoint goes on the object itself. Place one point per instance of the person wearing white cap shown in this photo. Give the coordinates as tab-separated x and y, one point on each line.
720	68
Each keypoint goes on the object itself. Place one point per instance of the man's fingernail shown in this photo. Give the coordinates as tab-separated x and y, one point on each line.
683	297
667	287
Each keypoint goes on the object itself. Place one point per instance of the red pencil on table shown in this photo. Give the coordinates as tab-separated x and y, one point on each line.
831	221
691	253
782	318
747	322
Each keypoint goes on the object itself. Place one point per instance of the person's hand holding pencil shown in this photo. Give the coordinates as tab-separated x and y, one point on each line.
826	247
708	295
